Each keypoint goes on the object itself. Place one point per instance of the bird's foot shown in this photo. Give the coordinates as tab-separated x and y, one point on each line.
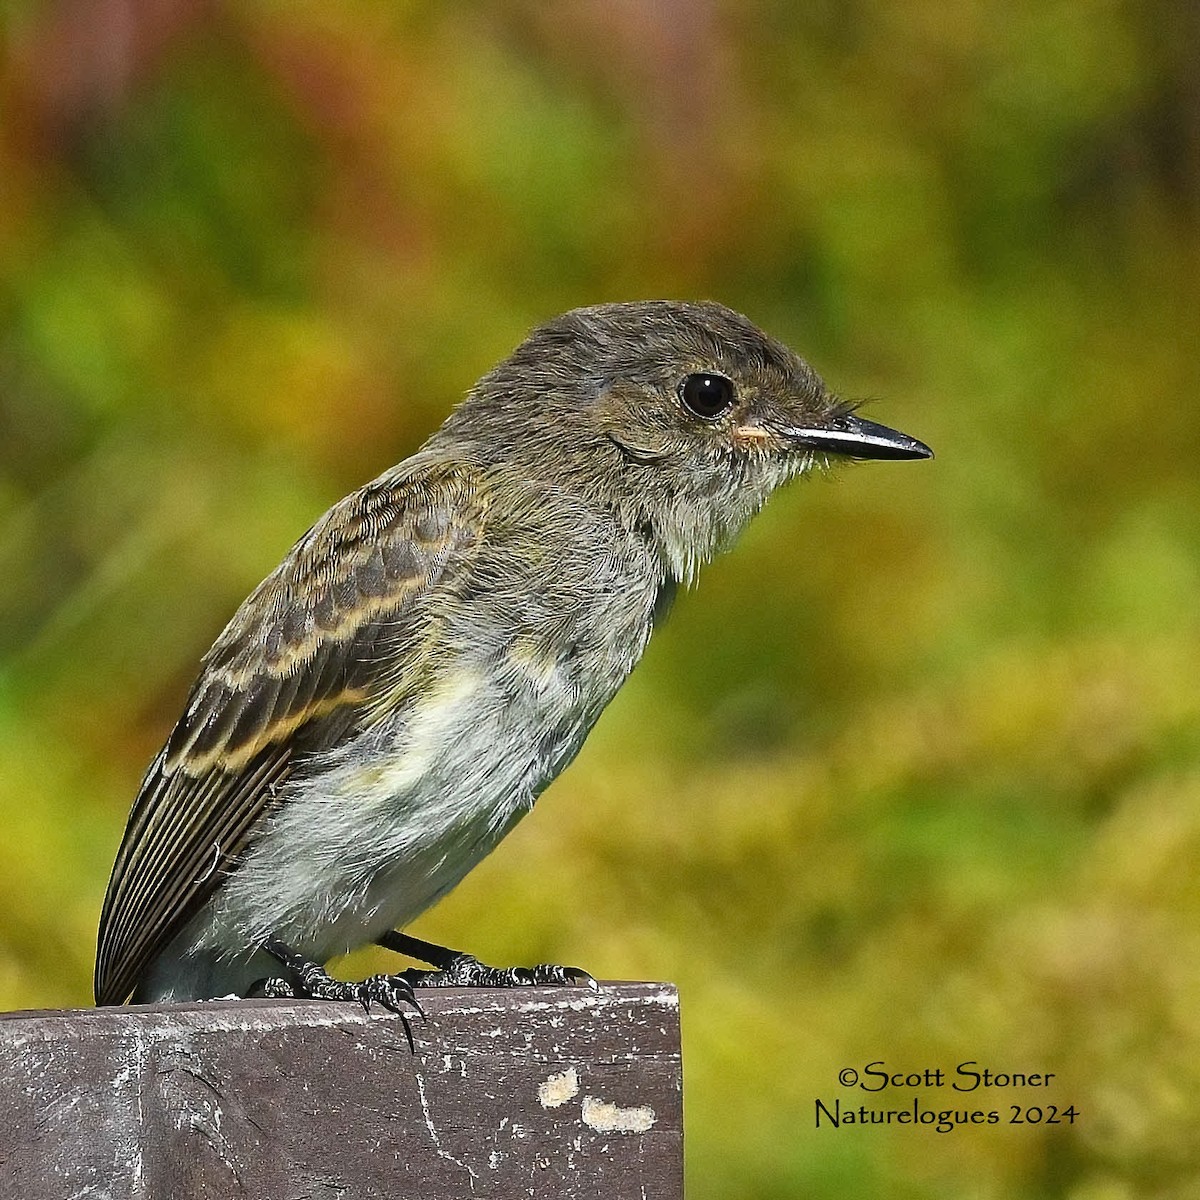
465	970
310	981
453	968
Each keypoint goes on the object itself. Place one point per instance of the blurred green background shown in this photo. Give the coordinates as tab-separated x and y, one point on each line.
915	775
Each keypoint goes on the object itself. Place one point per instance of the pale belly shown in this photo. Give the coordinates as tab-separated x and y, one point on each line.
394	820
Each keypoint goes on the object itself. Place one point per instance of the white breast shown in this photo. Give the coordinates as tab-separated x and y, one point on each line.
395	819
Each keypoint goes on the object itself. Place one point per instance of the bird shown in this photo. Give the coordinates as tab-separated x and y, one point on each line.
393	698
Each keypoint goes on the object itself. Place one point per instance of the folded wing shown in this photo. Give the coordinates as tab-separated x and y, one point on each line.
343	623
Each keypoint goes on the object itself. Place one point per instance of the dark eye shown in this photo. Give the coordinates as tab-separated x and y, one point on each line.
706	395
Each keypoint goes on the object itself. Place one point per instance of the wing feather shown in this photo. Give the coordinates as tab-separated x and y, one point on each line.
304	662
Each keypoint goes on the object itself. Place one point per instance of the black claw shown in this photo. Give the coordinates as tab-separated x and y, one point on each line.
408	1034
391	991
395	1005
578	977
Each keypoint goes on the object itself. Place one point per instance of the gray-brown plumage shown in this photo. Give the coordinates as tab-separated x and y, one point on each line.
429	656
317	644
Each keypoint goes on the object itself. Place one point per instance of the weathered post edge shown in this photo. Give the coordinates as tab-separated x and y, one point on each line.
523	1092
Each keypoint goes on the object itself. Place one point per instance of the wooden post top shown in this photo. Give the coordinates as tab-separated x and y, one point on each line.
522	1092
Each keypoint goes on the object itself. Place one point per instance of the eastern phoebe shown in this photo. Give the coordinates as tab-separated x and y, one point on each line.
394	697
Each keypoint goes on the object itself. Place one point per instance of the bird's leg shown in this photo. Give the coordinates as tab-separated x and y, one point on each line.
310	981
454	968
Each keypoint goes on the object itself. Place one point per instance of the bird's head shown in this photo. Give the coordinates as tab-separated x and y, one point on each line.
683	417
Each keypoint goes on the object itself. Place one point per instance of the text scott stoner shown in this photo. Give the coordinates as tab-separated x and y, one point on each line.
966	1077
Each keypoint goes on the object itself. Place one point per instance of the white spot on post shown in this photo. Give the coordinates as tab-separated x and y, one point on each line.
605	1117
558	1089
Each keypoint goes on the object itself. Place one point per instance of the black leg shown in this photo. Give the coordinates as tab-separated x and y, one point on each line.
456	969
422	951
